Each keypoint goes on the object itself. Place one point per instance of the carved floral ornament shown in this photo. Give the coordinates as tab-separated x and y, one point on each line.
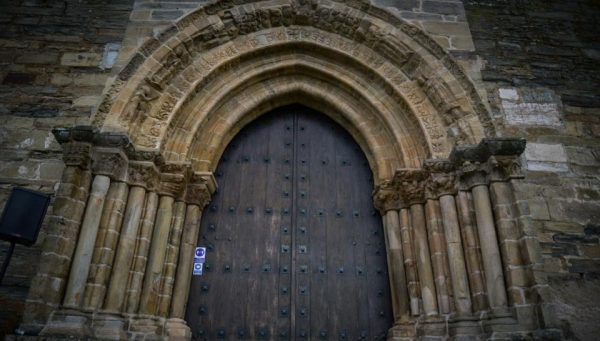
151	98
492	160
114	156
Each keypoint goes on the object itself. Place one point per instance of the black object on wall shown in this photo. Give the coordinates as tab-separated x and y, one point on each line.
21	220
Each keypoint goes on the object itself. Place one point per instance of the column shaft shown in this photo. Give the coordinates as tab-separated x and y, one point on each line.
423	260
183	278
460	285
142	247
492	263
396	266
170	265
160	238
85	244
439	258
47	287
472	251
125	250
519	277
106	240
410	263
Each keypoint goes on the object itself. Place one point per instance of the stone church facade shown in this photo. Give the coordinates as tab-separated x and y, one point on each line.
480	121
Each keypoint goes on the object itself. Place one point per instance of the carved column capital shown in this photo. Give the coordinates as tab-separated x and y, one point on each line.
387	197
77	154
200	188
442	178
412	184
505	167
144	174
173	179
111	162
473	174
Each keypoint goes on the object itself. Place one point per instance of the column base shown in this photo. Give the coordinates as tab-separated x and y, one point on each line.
177	329
108	326
465	328
403	331
68	323
433	327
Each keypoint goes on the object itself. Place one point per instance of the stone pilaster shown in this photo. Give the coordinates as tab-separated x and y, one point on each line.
47	287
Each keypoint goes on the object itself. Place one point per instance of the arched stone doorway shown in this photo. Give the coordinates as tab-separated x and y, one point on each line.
295	247
116	263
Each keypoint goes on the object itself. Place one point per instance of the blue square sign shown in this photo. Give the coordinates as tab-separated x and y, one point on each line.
198	269
200	255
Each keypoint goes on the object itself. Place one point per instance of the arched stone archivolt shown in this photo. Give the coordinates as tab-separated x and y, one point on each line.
367	63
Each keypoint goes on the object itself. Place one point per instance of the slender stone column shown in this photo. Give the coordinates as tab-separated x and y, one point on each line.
426	280
439	258
106	240
170	265
136	274
396	266
472	252
85	245
183	279
160	238
409	261
125	250
48	285
492	263
460	285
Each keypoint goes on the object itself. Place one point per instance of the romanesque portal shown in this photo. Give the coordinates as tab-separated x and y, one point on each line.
138	179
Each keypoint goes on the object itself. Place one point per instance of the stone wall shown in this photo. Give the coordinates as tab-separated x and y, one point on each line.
542	75
55	57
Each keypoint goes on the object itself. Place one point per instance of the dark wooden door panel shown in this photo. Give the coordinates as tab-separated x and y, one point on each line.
295	248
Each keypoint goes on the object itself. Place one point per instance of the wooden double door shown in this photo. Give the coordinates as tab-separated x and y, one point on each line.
295	249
